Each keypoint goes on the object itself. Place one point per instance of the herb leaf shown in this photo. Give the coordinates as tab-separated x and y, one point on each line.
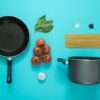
44	25
48	29
41	19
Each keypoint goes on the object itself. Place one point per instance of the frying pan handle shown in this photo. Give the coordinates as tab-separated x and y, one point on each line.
9	74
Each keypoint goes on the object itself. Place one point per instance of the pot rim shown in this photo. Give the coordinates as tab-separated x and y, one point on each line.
84	58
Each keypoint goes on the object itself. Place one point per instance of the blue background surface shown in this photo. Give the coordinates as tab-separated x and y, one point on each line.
57	86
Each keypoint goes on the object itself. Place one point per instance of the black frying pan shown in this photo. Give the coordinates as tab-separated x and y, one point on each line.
14	37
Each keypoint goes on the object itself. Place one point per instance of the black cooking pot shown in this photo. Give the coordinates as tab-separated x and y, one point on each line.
83	70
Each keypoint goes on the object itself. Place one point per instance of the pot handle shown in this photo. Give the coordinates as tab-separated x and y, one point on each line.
62	60
9	74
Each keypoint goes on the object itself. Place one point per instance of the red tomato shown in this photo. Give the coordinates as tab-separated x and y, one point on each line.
46	49
46	58
35	60
40	42
37	51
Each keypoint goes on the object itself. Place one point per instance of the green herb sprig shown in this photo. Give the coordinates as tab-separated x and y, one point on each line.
44	25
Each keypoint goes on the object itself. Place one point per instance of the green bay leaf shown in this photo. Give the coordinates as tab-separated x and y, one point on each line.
41	20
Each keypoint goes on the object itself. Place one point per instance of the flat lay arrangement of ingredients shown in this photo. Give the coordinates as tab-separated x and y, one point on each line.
14	38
